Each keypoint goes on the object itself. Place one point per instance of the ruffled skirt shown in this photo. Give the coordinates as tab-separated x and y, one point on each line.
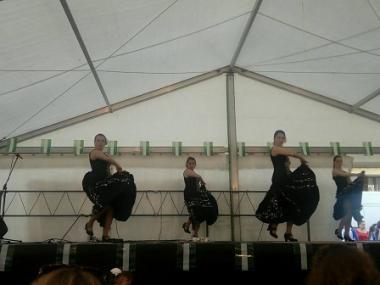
350	197
202	206
117	192
295	201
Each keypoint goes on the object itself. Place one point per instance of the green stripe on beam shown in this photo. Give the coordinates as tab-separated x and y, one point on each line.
305	148
78	147
177	148
335	146
368	150
112	147
46	146
12	145
208	148
241	149
144	148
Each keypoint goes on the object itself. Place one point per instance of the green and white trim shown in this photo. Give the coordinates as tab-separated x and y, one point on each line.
269	146
368	150
335	146
144	148
112	147
241	149
177	148
12	145
208	148
46	146
305	148
78	147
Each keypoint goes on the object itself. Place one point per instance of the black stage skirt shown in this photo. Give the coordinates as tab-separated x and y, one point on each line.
202	206
293	202
351	194
117	192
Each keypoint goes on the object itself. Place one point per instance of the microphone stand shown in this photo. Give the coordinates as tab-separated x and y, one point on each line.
4	192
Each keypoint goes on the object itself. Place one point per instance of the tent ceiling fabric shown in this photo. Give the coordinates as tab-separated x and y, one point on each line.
330	47
320	46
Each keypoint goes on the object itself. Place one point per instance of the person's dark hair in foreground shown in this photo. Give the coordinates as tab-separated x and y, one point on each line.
66	275
342	265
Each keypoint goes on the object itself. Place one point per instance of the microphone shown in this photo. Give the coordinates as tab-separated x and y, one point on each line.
18	156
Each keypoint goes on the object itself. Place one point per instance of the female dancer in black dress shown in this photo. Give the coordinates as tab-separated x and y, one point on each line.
200	204
293	196
113	195
349	198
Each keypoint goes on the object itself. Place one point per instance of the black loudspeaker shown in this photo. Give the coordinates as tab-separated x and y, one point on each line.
3	228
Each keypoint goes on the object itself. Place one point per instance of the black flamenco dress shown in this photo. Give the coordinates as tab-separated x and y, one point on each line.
292	197
117	191
348	193
200	204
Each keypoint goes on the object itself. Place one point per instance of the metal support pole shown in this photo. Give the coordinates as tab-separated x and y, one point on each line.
245	33
74	26
308	230
366	99
232	146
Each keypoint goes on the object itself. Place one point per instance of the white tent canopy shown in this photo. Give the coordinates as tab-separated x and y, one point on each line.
329	48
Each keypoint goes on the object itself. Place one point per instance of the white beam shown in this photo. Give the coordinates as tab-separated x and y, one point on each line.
308	94
371	96
117	106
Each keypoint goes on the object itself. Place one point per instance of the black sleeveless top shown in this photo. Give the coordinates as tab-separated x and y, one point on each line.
280	173
100	169
341	182
191	186
191	182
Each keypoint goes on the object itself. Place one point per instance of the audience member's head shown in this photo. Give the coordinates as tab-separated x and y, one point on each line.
118	277
124	278
67	275
362	225
342	265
